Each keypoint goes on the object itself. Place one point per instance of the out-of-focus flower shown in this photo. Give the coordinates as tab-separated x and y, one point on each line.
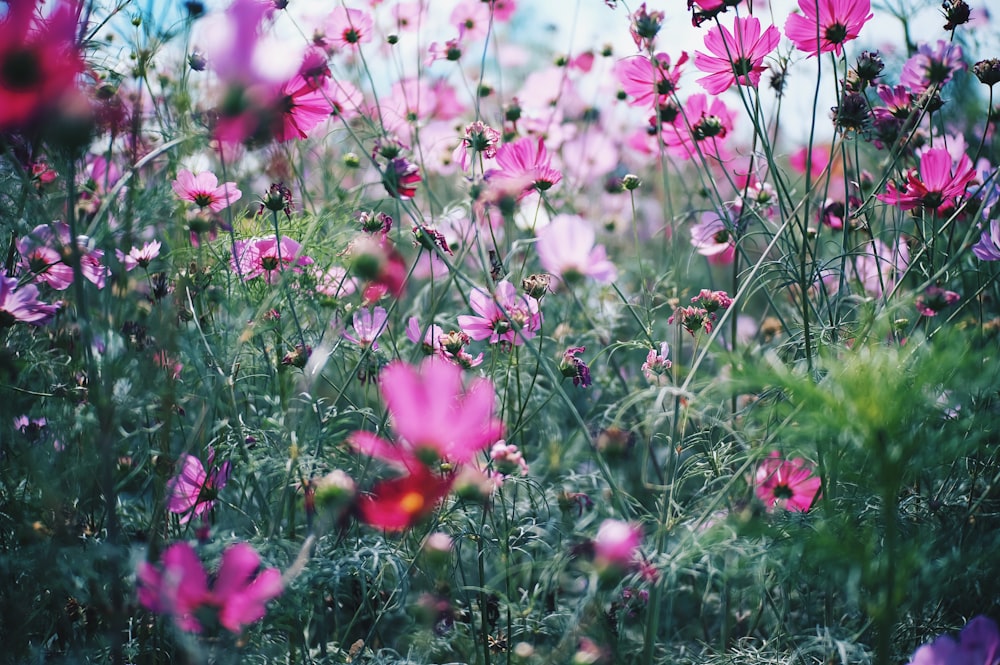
525	160
931	66
504	317
22	304
712	237
987	71
46	254
934	299
349	28
179	587
657	365
30	428
977	644
825	26
472	19
566	248
137	257
785	483
939	185
988	247
737	57
644	26
268	257
400	178
399	503
205	191
368	325
39	60
956	13
706	126
300	105
616	544
435	417
192	492
508	459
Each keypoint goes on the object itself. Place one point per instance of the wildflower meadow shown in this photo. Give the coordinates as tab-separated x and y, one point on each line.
500	332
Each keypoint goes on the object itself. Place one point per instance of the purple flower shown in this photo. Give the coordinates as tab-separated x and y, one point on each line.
977	644
368	325
931	66
575	368
988	247
22	304
193	491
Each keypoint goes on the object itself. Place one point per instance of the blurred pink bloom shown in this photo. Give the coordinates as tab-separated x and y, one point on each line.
877	266
139	257
503	10
832	21
46	254
192	492
429	340
712	238
472	18
787	484
268	257
368	325
931	66
736	57
566	248
934	299
939	185
179	587
617	543
22	304
301	106
506	317
348	28
434	416
205	191
399	503
334	282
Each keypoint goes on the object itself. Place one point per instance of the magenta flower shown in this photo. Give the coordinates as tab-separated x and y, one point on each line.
649	82
657	365
205	191
833	22
736	57
179	587
434	416
368	326
301	105
268	257
931	66
937	187
192	492
712	238
787	484
977	644
616	544
526	160
429	340
22	304
934	299
566	248
704	129
505	317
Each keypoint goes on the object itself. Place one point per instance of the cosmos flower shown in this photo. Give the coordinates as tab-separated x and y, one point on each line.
434	416
649	81
988	247
301	105
267	256
348	28
504	317
785	483
833	22
368	325
137	257
712	238
179	587
399	503
939	183
977	644
566	248
526	160
192	492
616	543
931	66
46	254
657	365
736	57
22	304
205	191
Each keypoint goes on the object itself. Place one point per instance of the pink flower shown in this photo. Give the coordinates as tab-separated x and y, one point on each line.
832	21
46	253
179	587
736	57
934	299
472	18
430	340
205	191
192	492
616	543
931	66
399	503
347	28
139	257
22	304
703	130
788	484
524	159
938	186
301	105
368	325
566	248
268	257
713	238
434	416
504	317
656	365
649	82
